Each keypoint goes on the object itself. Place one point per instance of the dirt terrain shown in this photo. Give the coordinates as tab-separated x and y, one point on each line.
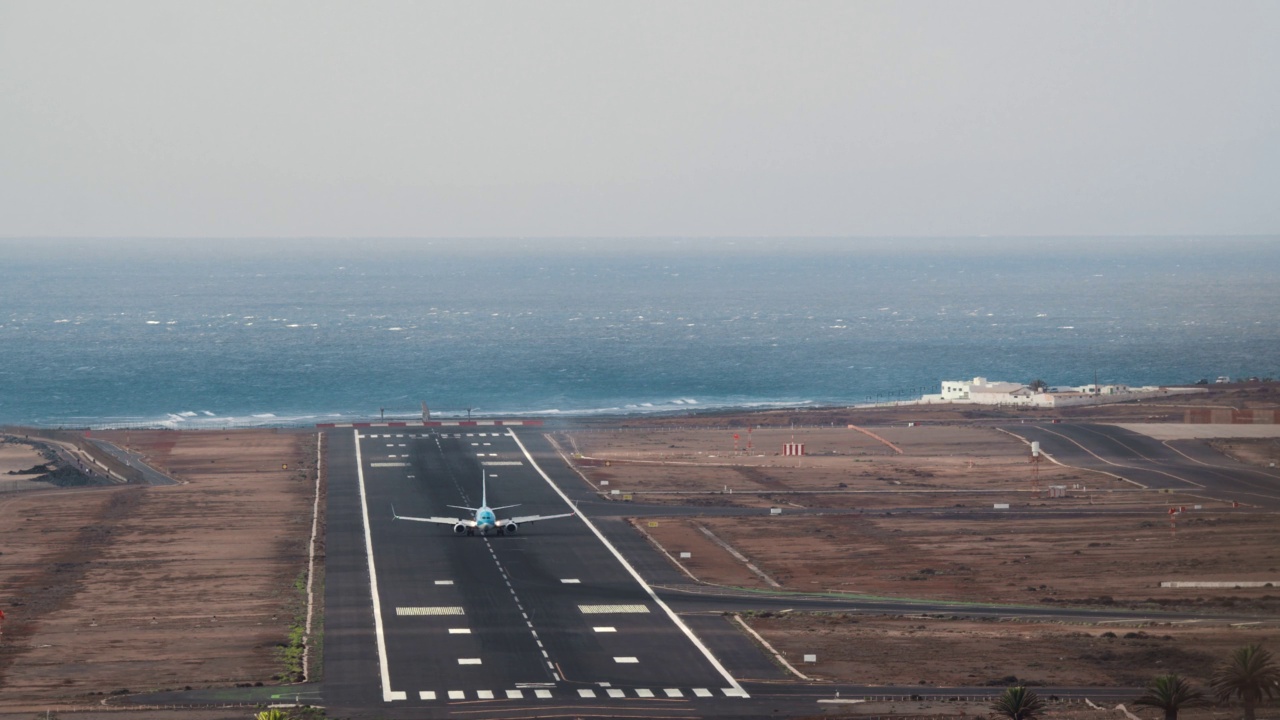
922	466
147	588
925	527
1079	560
879	650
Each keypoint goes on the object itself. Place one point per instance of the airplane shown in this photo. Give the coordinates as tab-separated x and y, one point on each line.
484	520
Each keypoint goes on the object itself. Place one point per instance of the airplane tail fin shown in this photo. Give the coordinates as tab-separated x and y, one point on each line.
484	489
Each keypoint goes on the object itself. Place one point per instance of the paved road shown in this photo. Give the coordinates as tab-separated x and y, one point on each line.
150	475
1186	466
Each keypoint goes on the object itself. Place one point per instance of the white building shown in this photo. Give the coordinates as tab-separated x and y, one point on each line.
980	391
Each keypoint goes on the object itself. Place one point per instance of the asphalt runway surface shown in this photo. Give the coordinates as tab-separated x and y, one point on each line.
547	616
1184	466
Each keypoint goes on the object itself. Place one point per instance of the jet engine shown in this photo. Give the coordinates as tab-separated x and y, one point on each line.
511	528
459	528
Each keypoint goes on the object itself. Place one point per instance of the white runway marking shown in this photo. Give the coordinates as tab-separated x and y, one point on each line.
459	631
484	694
673	692
444	582
544	694
604	629
427	695
515	695
584	692
626	660
702	692
388	694
443	610
468	661
734	692
571	581
389	464
615	693
612	609
457	695
644	692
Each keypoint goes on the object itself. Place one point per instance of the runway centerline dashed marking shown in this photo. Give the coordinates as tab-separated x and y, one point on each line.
469	661
459	631
571	581
551	666
444	582
626	660
605	629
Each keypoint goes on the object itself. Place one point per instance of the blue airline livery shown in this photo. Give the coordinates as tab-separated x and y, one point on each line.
484	519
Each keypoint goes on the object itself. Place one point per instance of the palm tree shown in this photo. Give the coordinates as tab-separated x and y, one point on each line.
1251	675
1170	693
1019	703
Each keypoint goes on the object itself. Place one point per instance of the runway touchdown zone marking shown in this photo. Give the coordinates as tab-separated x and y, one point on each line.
429	611
612	609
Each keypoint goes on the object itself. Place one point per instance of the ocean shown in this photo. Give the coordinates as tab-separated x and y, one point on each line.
215	333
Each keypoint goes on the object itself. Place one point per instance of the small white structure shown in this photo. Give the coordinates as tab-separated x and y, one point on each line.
981	391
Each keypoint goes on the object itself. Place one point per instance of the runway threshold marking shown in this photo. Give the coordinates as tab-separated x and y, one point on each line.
737	689
388	695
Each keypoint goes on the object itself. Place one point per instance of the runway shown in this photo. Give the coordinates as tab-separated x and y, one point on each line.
418	616
1184	466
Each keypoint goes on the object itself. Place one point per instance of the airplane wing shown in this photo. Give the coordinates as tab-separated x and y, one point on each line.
437	520
531	518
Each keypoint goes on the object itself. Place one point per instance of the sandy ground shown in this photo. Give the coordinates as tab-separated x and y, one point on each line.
144	588
1113	549
878	650
1193	431
923	466
14	457
1080	560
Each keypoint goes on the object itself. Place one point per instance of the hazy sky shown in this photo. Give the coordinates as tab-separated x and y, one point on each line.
595	118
